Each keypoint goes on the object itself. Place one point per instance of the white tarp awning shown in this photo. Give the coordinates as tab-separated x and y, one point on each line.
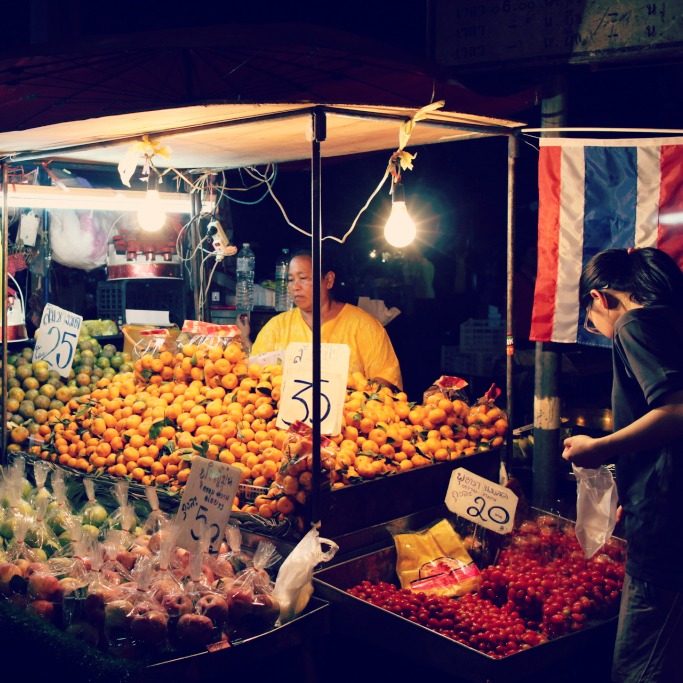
236	135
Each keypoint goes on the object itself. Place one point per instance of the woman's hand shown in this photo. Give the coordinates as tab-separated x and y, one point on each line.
242	322
583	451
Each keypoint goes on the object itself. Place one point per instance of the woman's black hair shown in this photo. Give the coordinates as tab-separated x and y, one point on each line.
650	276
329	263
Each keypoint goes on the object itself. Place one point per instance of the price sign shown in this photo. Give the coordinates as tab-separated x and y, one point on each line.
206	502
481	501
297	386
56	338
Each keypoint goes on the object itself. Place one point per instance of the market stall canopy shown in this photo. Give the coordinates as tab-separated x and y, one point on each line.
237	135
202	93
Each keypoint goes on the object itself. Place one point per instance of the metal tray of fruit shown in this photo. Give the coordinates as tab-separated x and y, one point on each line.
413	647
380	500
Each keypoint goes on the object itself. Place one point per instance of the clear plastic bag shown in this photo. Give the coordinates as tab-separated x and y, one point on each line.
294	582
596	507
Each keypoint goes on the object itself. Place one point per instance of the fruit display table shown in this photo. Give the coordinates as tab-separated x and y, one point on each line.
28	641
416	642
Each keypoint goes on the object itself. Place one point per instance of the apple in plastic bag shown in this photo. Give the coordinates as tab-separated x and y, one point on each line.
215	607
148	625
43	608
45	587
117	615
194	630
177	604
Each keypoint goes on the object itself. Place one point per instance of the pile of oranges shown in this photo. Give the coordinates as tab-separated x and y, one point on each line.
210	401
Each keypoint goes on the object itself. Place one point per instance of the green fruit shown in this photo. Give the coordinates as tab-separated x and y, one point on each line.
91	531
27	353
40	554
26	409
31	395
64	538
7	527
51	547
94	514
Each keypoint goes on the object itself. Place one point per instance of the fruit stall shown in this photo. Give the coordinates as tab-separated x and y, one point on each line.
95	553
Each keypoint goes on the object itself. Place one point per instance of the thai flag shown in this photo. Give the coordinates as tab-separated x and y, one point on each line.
595	195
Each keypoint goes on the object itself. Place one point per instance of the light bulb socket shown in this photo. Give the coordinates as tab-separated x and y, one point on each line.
397	192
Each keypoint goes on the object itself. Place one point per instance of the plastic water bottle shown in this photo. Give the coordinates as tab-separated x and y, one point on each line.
244	291
282	300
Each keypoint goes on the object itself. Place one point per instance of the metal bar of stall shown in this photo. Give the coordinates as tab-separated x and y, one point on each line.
3	296
318	123
197	263
513	153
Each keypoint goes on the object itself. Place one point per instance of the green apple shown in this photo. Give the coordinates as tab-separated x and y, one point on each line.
94	514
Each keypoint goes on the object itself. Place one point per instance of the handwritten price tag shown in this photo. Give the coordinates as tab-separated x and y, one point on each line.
206	502
481	501
297	386
56	338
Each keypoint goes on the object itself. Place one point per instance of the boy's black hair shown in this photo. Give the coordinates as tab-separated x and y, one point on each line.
650	276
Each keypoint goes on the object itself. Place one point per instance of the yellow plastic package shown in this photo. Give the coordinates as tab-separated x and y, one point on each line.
435	561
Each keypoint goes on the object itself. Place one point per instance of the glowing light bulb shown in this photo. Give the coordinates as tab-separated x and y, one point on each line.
151	217
400	228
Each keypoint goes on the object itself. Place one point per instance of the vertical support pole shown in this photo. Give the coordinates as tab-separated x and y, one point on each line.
197	260
513	153
3	299
319	133
547	460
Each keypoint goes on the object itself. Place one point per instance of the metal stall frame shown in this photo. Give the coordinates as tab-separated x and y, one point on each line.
270	133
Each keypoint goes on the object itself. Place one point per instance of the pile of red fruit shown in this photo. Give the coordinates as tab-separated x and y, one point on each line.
541	587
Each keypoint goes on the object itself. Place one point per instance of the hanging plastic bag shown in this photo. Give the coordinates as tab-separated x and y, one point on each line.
596	507
78	239
294	582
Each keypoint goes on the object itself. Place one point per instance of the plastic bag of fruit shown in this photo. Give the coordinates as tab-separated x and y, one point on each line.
294	582
200	333
451	387
596	507
252	603
435	561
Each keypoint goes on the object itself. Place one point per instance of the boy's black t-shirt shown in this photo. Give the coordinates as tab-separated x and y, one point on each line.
648	363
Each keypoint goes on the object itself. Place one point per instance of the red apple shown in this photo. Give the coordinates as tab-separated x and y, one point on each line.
215	607
45	587
95	602
126	558
43	608
164	586
176	605
148	625
194	630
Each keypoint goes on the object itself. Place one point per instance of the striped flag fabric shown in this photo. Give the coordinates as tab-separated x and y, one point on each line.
595	195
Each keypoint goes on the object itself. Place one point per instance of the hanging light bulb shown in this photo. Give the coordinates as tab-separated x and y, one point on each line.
400	228
151	217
